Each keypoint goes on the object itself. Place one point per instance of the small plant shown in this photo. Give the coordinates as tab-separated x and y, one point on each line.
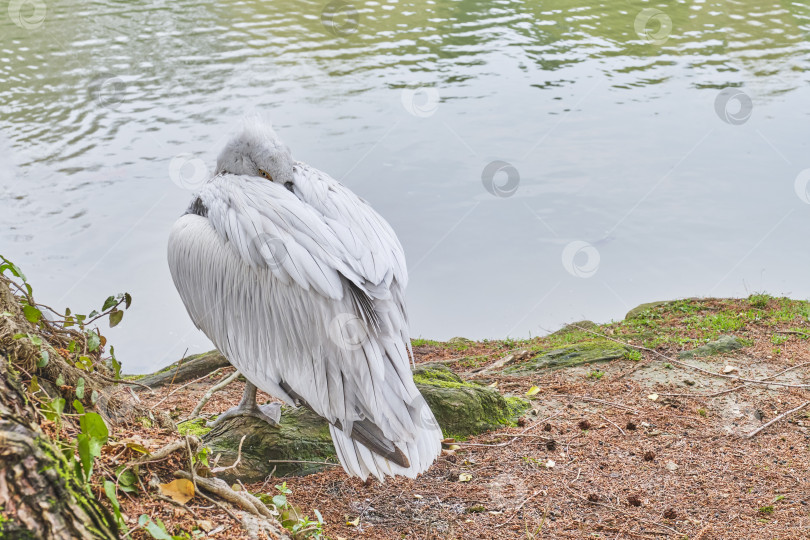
702	412
633	355
759	301
290	516
777	339
596	374
766	509
667	365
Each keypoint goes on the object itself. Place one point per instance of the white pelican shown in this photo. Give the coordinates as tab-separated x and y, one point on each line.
300	284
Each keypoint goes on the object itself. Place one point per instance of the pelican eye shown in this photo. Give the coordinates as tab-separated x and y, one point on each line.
265	174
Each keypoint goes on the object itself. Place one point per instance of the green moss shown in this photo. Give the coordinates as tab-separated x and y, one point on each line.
597	350
462	408
193	427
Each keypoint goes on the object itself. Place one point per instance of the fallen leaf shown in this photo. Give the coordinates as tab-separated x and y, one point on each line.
205	525
652	397
417	496
729	369
353	523
493	385
671	466
464	477
180	490
533	390
454	447
550	464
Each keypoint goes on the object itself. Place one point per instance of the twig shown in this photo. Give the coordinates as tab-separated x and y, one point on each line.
792	332
172	501
614	424
514	437
220	506
527	499
235	463
595	400
183	386
302	461
211	391
243	500
164	452
716	394
781	416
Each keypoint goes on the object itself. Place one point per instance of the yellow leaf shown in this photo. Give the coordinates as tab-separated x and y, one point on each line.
353	523
417	496
532	391
493	385
652	397
454	447
180	490
464	477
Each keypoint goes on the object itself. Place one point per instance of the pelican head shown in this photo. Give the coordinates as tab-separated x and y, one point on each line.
257	151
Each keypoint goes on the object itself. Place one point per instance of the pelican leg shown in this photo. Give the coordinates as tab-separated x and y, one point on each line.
270	413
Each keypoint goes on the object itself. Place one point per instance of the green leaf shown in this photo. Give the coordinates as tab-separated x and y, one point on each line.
116	365
127	300
108	303
80	388
67	312
85	454
68	321
18	336
93	341
158	532
32	314
127	480
72	346
115	317
92	314
34	386
60	380
53	410
94	427
94	397
44	358
78	406
35	339
109	489
280	501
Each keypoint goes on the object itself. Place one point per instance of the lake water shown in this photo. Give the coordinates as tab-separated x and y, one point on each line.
542	162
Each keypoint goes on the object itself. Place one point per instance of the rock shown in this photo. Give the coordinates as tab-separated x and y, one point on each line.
723	345
301	436
572	355
638	310
577	326
461	408
459	339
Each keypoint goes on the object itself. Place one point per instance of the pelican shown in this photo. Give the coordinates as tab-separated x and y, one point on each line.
300	284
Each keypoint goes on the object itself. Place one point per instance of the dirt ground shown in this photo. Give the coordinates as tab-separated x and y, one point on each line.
643	446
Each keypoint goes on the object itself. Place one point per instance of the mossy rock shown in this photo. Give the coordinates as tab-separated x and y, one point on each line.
577	354
638	310
461	408
301	436
724	344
